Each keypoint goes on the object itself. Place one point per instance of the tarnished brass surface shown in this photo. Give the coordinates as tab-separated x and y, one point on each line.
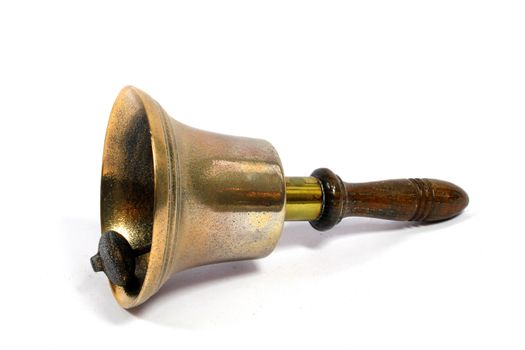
174	197
304	198
197	197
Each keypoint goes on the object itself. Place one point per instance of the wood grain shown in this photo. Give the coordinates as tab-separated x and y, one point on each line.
422	200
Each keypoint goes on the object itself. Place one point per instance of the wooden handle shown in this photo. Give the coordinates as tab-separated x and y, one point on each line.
423	200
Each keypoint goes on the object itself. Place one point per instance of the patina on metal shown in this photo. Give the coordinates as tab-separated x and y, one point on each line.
174	197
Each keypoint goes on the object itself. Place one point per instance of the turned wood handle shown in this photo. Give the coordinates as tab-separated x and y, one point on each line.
423	200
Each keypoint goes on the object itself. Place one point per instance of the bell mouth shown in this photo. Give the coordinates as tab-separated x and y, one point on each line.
135	197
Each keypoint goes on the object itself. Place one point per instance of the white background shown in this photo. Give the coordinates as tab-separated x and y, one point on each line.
370	89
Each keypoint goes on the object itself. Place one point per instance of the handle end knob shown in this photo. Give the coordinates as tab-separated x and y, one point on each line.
438	200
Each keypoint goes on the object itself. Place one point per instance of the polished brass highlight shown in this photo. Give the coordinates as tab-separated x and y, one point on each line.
174	197
304	198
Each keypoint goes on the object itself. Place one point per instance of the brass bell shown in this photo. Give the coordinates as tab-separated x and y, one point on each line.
174	197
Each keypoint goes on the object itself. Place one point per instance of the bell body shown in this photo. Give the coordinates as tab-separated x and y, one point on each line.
188	196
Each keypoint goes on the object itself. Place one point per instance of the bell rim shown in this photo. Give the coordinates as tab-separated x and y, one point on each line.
164	199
